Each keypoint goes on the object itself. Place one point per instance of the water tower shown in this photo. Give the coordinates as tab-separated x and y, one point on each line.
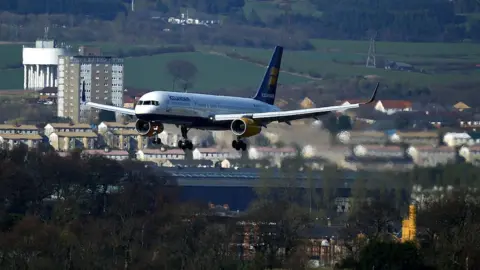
40	63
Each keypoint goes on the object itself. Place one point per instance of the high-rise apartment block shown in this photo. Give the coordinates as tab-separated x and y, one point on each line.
103	77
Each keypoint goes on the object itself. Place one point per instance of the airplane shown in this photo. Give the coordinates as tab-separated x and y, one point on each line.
244	117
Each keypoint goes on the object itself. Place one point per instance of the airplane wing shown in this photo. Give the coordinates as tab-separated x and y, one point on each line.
103	106
111	108
286	116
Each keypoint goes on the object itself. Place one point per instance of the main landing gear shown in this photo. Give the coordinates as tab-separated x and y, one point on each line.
185	143
239	144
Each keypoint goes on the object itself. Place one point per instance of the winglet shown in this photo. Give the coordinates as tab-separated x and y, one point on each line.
374	95
83	92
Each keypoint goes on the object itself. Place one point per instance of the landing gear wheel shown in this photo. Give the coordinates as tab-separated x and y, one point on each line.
157	141
237	145
189	145
185	144
181	144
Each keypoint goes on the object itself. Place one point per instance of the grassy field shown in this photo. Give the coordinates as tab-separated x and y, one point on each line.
215	72
274	7
10	55
331	59
347	58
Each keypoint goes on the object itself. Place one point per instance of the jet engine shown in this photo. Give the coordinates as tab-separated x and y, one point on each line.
245	127
146	128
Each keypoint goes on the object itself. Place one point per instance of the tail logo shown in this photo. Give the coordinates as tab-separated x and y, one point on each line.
273	76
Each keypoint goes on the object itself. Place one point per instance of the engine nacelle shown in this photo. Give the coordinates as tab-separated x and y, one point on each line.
245	127
146	128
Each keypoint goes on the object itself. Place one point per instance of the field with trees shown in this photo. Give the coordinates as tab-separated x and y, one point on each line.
323	41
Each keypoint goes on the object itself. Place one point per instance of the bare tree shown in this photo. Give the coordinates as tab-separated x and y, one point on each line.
182	70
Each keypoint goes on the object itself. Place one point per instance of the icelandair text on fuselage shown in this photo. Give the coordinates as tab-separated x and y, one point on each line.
179	98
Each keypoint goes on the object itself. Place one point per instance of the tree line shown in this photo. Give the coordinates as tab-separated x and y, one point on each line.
90	212
412	21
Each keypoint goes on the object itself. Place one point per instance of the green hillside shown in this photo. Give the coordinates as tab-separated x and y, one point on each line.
444	62
214	72
149	72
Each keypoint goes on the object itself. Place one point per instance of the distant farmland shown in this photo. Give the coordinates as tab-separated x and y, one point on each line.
446	62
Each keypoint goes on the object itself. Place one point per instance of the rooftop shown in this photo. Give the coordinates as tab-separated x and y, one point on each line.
21	136
77	134
18	127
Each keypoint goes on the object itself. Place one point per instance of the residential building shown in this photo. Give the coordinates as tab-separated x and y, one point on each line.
471	154
416	138
270	152
393	106
66	127
19	129
432	156
362	137
103	79
114	154
158	154
64	141
460	106
124	139
48	94
453	139
110	126
378	151
9	140
214	153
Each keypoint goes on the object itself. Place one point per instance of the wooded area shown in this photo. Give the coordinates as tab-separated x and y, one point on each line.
431	20
80	212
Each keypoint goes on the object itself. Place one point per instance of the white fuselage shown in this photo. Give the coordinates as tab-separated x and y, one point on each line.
195	110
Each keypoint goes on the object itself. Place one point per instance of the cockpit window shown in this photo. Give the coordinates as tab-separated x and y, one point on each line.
148	102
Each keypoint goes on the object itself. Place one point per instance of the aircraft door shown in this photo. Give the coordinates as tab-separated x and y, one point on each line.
168	108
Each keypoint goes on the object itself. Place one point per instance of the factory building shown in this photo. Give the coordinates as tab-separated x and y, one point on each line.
102	76
40	64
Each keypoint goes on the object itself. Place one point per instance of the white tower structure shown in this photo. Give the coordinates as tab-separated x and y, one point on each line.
40	64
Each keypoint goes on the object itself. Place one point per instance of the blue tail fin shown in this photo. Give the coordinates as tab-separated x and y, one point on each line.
268	88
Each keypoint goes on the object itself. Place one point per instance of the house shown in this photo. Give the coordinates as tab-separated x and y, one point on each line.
110	126
187	163
398	66
267	152
10	140
393	106
158	154
124	139
64	141
378	151
48	95
362	137
416	138
215	154
471	153
113	154
432	156
19	129
460	106
66	127
453	139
